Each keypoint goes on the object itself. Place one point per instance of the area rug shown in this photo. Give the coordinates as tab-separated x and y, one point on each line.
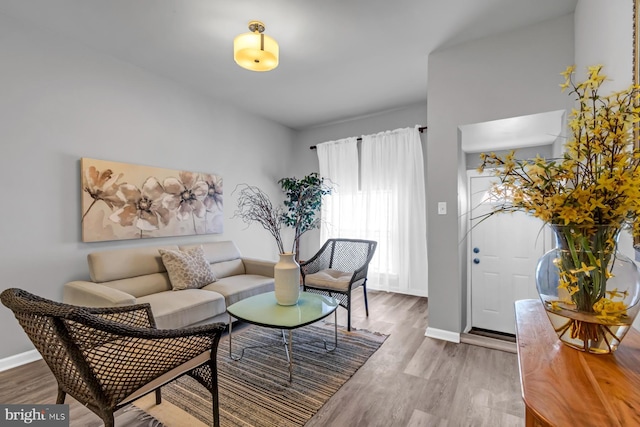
129	416
255	391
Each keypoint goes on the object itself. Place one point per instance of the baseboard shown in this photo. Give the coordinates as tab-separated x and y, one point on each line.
442	334
412	292
19	359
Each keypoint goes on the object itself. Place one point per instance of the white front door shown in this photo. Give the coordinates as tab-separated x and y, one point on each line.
504	252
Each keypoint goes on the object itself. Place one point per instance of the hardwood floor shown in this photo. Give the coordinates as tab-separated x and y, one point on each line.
415	381
411	380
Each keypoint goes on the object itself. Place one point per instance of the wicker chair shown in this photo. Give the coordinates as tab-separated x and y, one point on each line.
108	357
340	266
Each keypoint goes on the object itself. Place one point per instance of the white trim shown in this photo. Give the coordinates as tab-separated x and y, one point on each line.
442	334
19	360
471	173
514	132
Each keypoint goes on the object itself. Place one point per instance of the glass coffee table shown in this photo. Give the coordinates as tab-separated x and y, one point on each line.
263	310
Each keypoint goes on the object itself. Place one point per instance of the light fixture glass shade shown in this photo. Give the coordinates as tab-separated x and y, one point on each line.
255	51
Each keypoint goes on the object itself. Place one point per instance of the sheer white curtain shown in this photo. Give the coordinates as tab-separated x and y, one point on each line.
380	195
338	162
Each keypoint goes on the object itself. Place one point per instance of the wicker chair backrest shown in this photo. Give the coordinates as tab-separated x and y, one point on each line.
42	321
349	254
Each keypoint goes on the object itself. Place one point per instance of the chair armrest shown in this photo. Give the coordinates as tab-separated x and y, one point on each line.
90	294
360	273
259	267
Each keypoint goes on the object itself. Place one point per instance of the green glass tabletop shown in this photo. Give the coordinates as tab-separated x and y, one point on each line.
263	310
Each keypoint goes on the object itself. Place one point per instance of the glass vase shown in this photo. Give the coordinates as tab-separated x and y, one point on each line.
590	291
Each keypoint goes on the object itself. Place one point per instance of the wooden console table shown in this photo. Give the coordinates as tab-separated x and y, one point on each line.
566	387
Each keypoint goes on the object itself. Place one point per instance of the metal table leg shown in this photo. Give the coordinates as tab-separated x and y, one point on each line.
231	356
287	343
288	349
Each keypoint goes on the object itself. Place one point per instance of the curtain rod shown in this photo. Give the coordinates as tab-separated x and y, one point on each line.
420	129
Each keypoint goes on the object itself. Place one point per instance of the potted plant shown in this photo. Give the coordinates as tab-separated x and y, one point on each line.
303	199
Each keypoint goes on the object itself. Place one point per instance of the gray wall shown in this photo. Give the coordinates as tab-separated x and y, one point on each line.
604	35
60	102
612	46
306	160
506	75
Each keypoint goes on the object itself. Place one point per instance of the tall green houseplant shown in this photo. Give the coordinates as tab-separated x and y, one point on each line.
303	199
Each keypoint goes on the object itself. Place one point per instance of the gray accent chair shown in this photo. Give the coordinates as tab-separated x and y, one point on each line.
339	267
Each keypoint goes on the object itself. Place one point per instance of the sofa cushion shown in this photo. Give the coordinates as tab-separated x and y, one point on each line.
176	309
228	268
142	285
236	288
224	257
329	279
217	251
118	264
187	269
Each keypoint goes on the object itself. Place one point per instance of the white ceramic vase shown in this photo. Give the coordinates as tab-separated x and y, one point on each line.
287	279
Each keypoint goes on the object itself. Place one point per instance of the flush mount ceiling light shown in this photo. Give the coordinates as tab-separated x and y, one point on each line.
255	51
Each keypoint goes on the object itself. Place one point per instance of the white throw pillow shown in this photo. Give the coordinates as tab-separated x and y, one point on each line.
187	269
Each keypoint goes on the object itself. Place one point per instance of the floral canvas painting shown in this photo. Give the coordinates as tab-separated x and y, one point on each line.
125	201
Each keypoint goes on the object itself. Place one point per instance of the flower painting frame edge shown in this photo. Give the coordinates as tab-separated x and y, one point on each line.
122	201
636	81
635	64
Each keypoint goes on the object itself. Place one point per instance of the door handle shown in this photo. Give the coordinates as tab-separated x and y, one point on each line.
476	250
476	261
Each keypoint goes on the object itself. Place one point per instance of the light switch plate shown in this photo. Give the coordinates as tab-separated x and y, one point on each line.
442	208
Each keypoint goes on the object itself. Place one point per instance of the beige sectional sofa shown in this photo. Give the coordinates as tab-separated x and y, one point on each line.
138	275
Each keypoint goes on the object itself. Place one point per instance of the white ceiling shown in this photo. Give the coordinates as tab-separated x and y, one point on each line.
338	58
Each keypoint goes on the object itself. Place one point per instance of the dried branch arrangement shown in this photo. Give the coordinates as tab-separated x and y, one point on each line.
254	206
302	202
